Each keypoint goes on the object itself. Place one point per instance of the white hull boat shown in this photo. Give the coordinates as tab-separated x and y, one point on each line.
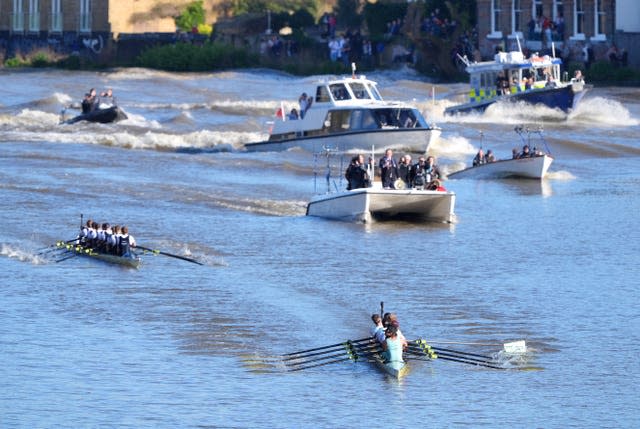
528	168
345	114
368	204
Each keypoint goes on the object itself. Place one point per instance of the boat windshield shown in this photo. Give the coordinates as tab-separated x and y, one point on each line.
375	93
359	91
372	119
399	118
339	91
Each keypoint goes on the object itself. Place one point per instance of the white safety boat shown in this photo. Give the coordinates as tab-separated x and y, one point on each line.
533	166
376	203
349	113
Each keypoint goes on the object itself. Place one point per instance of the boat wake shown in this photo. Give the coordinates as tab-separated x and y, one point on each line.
264	207
455	147
22	255
599	111
560	175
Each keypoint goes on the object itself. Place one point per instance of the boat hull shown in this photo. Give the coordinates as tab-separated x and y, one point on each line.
132	261
415	139
103	116
368	204
528	168
396	370
564	98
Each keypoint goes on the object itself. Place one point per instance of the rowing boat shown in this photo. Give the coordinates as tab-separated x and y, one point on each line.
129	260
396	370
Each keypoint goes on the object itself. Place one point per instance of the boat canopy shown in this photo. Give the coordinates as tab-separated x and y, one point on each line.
485	77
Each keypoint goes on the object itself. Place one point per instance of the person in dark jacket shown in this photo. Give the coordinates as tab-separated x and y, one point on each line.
388	170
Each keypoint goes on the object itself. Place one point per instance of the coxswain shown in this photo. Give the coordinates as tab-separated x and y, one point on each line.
84	232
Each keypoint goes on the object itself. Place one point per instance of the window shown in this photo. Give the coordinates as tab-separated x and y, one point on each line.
516	16
56	16
85	16
600	20
558	9
34	15
359	90
496	11
17	17
578	19
536	9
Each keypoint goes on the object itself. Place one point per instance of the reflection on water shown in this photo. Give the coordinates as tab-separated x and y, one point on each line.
530	187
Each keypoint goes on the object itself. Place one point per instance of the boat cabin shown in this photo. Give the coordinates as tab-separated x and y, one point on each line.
347	105
511	73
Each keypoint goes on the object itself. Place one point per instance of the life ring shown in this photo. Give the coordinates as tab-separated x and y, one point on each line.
399	184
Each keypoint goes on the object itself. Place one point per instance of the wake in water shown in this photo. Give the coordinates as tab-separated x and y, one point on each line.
599	111
31	256
596	111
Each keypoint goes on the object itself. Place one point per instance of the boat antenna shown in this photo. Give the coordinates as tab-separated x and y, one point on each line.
481	139
353	70
518	41
464	59
80	220
328	175
544	141
381	309
553	49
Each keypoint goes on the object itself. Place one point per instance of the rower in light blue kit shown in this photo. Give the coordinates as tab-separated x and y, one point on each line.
392	346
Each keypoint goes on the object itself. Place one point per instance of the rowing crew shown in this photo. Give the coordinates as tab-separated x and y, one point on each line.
387	333
115	240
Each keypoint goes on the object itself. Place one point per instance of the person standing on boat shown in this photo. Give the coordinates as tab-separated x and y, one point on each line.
388	170
303	101
432	170
356	174
405	170
419	179
392	346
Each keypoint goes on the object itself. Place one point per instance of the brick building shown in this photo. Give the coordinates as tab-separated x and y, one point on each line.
84	26
567	25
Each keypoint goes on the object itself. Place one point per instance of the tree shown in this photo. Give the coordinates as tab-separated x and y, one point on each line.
191	17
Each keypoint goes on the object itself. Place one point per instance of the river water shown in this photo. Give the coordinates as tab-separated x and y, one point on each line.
86	344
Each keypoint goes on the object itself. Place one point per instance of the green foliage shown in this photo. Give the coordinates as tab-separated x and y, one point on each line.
604	71
14	62
192	16
72	62
188	57
40	59
377	15
239	7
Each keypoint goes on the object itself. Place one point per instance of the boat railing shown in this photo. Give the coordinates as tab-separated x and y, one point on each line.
520	130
